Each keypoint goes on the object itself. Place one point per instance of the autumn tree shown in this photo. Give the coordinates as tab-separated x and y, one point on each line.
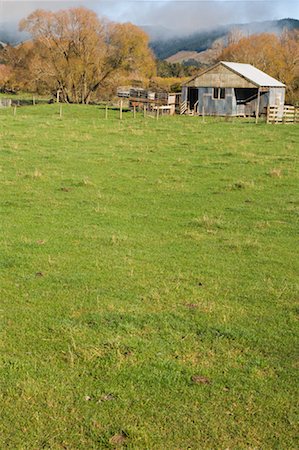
276	55
289	58
17	61
5	75
77	53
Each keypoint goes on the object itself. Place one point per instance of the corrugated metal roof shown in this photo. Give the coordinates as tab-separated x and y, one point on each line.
253	74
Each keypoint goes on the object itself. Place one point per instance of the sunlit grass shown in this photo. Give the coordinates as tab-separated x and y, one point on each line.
148	281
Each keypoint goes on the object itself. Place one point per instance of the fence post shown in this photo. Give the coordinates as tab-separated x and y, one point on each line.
134	112
15	111
257	109
106	111
157	116
276	114
283	119
60	112
121	110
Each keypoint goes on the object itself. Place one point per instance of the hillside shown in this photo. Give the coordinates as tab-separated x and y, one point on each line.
202	41
199	59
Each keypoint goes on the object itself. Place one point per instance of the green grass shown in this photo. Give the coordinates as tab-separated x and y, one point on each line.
135	255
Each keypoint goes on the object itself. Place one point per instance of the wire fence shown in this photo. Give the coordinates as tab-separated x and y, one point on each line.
8	102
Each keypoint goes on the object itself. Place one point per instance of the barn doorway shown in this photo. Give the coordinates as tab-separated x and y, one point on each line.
192	97
245	95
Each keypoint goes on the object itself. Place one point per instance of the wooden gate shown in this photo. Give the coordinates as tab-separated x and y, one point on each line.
290	114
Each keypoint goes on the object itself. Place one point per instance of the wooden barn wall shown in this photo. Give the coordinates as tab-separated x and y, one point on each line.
277	98
228	106
276	94
184	97
219	107
250	107
220	76
274	97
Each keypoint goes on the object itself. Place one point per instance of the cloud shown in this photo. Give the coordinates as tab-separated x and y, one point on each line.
186	16
13	11
183	17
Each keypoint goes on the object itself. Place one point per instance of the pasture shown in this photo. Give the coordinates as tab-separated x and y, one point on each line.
148	281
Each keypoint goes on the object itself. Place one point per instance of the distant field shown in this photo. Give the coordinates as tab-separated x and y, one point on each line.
148	282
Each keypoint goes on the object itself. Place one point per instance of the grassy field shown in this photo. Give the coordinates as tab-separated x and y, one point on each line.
148	282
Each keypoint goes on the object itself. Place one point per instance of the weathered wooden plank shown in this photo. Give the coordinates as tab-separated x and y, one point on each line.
222	77
290	114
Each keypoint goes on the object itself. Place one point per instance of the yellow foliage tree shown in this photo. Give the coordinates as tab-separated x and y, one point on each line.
76	53
276	55
5	75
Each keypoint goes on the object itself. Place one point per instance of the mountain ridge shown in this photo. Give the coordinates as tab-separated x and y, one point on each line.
202	41
198	47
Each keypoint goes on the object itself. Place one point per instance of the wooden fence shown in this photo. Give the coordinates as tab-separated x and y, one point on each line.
290	114
5	102
183	107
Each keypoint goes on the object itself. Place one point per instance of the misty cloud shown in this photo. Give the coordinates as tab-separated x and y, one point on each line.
13	11
186	16
181	17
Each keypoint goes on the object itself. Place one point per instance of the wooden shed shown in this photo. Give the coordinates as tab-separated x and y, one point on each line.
232	89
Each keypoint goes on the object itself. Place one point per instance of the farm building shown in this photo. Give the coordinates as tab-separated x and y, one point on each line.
232	89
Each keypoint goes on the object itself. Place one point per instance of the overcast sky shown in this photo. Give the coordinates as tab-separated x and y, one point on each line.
182	16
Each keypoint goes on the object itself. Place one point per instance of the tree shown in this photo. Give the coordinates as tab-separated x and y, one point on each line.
5	75
17	60
166	69
234	36
76	53
276	55
289	41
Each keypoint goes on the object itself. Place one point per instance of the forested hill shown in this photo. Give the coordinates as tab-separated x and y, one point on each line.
198	42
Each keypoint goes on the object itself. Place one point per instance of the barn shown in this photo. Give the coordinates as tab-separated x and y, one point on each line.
232	89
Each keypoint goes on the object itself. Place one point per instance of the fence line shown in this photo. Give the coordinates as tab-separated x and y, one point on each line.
289	114
11	101
5	102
